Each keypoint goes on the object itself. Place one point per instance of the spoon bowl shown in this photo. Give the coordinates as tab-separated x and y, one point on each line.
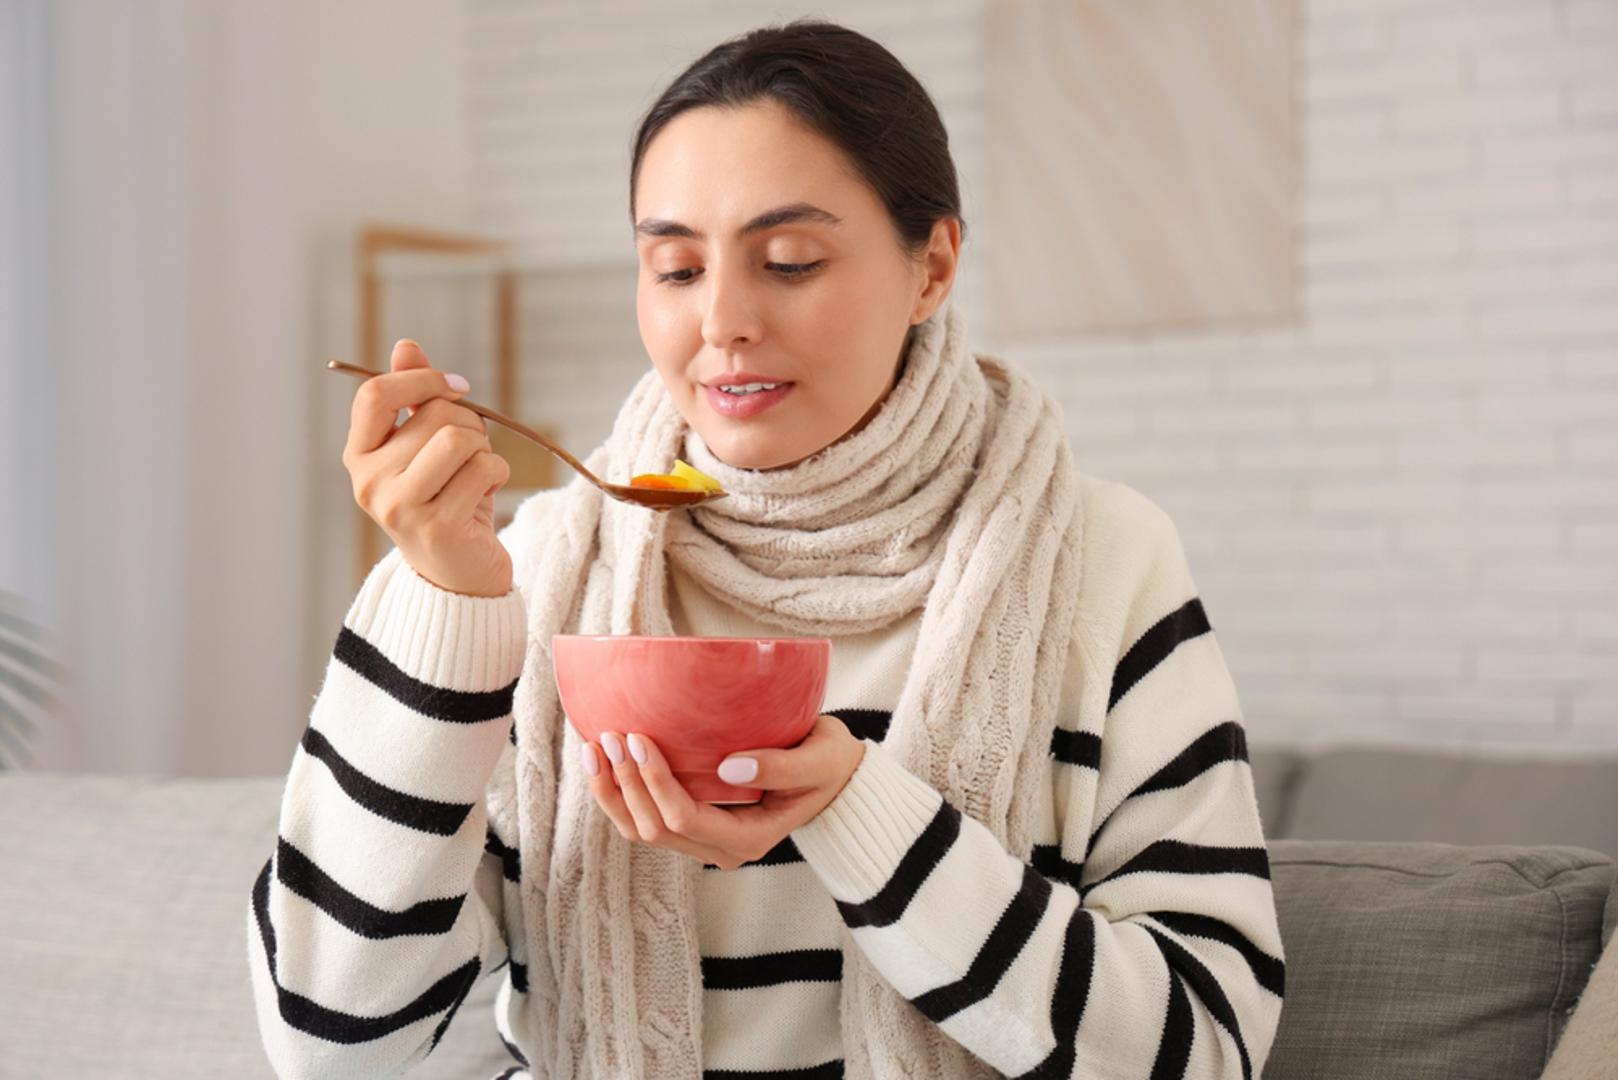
651	498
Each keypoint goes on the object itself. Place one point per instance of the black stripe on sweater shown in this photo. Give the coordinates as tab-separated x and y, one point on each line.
511	1048
888	906
771	969
1174	1048
1005	943
831	1070
781	854
1186	964
519	976
1048	860
1072	993
1219	744
299	873
412	811
456	706
510	861
1270	971
864	723
1076	747
1179	857
304	1015
460	999
1165	635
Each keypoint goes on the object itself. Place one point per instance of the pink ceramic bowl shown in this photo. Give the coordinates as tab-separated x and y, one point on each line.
700	699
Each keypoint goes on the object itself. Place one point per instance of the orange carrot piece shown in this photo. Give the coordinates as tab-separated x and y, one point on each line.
654	480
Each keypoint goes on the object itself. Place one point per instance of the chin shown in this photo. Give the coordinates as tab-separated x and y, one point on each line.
753	453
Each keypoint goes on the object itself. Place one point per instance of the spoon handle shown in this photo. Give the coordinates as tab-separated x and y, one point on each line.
520	428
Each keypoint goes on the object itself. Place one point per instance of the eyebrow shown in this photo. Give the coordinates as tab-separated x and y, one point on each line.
791	214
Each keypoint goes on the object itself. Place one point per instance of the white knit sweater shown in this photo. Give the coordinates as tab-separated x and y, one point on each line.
1142	941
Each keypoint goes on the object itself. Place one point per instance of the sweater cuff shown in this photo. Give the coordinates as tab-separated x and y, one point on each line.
855	843
445	639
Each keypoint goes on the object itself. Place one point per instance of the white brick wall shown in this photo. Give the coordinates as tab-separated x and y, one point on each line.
1402	508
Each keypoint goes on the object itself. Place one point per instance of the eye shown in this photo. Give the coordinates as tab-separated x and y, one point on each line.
687	275
677	277
792	270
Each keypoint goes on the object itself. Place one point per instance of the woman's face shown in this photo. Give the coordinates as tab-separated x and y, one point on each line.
764	255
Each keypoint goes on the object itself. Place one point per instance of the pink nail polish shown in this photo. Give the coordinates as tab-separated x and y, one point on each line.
614	749
637	749
587	754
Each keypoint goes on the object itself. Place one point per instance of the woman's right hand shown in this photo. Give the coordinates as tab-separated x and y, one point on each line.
429	482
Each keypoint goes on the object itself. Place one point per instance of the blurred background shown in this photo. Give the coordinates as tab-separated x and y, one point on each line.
1335	282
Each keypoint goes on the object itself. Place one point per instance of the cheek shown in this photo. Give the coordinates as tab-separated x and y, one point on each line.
649	315
850	328
664	326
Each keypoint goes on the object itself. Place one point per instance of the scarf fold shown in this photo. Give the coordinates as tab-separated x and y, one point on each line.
960	497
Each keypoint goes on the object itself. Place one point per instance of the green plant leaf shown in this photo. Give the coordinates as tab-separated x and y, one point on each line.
28	677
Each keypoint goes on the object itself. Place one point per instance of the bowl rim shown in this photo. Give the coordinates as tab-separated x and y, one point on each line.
690	637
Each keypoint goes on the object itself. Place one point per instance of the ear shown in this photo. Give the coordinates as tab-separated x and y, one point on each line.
937	268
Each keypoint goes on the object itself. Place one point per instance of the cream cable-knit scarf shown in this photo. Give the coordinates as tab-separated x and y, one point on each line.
960	496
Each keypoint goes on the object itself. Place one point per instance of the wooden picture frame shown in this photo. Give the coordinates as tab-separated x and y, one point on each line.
531	467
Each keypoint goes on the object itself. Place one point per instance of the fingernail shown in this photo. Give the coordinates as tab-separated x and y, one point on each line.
458	383
637	749
738	770
615	752
587	754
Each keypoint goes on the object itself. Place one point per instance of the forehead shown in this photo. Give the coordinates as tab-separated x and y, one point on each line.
724	164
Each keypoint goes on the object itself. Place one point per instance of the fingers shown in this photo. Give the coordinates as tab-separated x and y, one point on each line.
828	747
623	789
479	477
599	773
647	775
648	815
378	400
407	356
408	439
445	452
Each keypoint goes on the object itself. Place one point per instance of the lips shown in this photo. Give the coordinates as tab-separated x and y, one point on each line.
741	378
742	406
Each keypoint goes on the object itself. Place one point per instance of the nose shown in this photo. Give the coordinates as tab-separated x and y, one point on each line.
732	320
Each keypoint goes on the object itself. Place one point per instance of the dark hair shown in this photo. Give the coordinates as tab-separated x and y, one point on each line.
848	88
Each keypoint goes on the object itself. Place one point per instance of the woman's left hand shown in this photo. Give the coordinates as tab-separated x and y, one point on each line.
640	795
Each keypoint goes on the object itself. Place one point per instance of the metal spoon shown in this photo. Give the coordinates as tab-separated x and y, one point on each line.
651	498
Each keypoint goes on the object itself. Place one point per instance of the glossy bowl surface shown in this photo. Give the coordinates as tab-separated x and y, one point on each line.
700	699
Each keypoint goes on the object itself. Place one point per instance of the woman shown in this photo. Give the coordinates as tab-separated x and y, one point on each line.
1023	840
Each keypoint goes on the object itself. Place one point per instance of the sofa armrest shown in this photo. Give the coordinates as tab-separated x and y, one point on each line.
1588	1048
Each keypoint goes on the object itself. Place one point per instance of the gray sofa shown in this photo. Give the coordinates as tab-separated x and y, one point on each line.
1441	914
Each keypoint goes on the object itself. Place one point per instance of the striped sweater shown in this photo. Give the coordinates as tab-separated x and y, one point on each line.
1139	939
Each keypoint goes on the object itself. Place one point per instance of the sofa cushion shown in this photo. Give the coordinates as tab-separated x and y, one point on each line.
123	932
1451	797
1431	960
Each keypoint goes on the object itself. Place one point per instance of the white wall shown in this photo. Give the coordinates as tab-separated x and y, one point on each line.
25	478
1402	509
210	161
